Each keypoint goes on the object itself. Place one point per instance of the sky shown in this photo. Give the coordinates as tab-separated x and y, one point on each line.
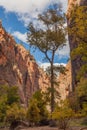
16	15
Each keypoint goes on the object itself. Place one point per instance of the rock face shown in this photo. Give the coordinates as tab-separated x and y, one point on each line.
18	68
77	63
65	86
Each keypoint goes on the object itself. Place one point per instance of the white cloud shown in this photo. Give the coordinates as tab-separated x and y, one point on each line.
20	36
45	65
28	9
63	52
25	9
24	6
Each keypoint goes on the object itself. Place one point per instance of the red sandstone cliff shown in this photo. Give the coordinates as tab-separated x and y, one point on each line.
65	86
18	67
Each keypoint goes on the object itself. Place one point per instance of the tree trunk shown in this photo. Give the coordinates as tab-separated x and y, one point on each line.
13	125
52	89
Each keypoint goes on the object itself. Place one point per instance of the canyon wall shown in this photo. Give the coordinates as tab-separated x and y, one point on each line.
65	80
76	63
19	68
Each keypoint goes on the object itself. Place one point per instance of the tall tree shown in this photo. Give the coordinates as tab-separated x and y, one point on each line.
49	38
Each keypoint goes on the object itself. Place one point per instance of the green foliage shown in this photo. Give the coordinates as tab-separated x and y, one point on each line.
82	88
3	107
81	92
53	36
74	102
3	90
84	111
33	115
78	101
41	103
3	102
78	32
37	108
12	95
56	71
49	38
8	96
79	23
15	113
63	114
